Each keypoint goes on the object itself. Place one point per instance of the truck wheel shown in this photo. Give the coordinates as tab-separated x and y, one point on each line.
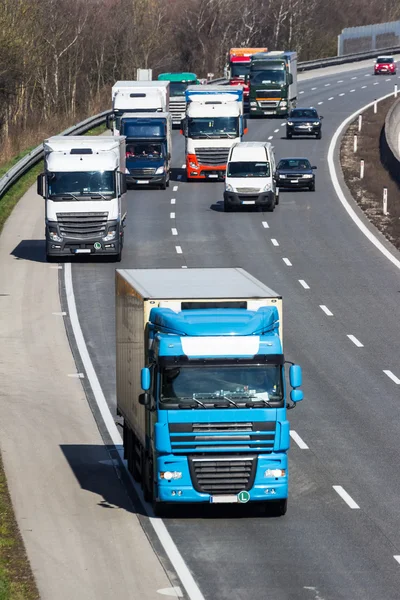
133	456
276	199
227	207
147	481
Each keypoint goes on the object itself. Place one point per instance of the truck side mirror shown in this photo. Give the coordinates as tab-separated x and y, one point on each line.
295	376
109	121
145	379
296	396
290	79
40	184
145	399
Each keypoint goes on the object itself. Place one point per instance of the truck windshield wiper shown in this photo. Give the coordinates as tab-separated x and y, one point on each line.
183	404
250	404
98	195
65	195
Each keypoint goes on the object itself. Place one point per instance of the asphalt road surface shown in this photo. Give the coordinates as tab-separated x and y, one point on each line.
341	535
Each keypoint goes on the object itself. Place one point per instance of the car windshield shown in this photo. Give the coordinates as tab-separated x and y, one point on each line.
267	76
221	385
248	169
200	127
240	70
287	164
384	61
307	113
177	88
139	150
82	183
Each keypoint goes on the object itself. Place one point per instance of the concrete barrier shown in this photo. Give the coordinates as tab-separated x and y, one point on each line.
390	142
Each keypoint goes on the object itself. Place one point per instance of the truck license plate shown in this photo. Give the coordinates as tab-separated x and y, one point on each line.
268	112
214	176
83	251
228	499
248	201
142	181
294	181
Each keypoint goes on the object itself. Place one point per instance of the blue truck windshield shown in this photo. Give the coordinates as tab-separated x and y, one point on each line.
201	127
238	385
86	183
140	150
141	129
177	88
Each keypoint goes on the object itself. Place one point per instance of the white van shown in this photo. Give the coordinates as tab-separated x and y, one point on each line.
250	176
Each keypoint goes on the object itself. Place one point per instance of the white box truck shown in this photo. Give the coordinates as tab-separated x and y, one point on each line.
136	97
84	185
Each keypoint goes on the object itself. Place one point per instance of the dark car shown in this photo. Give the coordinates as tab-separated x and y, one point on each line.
303	121
295	173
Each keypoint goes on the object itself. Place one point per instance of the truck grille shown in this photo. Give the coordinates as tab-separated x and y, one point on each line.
81	226
268	104
261	94
248	190
142	172
188	438
215	475
212	156
177	108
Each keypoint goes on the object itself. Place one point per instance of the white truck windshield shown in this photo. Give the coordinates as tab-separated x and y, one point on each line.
82	183
204	127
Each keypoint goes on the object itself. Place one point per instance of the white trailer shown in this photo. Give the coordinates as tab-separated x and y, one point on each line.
84	185
136	97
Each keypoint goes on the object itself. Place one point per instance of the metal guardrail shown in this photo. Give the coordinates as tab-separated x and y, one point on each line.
389	141
31	159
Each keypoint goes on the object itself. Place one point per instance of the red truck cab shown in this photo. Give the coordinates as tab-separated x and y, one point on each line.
239	66
385	65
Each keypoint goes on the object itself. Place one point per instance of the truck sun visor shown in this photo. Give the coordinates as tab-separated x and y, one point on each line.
81	151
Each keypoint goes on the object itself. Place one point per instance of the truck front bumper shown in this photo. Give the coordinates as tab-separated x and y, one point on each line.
258	111
150	180
186	489
61	245
234	200
203	172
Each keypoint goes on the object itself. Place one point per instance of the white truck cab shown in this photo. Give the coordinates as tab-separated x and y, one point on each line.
250	176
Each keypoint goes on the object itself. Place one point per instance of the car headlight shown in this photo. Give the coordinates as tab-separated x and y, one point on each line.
307	176
281	176
267	187
127	171
316	123
110	235
160	170
192	165
290	122
275	473
253	103
53	234
170	475
228	188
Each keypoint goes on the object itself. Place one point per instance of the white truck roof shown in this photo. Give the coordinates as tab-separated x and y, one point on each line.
211	88
201	109
145	115
64	153
249	151
201	283
127	85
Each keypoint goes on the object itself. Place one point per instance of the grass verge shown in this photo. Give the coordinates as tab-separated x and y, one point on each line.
368	192
16	579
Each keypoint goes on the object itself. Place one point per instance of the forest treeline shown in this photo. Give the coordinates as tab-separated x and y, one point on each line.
58	58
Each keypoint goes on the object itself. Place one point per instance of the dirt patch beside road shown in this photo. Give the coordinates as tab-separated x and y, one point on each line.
368	192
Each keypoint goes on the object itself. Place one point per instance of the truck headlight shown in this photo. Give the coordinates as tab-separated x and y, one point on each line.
192	165
110	235
53	234
228	188
283	103
267	187
275	473
170	475
160	171
253	103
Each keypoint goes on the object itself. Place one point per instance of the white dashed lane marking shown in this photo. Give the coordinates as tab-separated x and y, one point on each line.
270	137
276	130
304	284
275	242
345	496
174	231
355	341
326	310
331	98
175	188
173	200
178	249
172	215
287	262
392	376
342	94
296	438
320	102
265	225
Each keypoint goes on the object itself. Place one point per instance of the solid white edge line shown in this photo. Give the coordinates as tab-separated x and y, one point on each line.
158	525
296	438
355	341
333	174
392	376
304	284
345	496
287	262
326	310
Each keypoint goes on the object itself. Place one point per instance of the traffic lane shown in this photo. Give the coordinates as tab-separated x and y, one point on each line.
328	547
345	69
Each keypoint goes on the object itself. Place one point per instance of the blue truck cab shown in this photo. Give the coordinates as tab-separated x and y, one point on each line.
148	148
209	422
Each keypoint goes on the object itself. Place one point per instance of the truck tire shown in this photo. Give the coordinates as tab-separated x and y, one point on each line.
227	207
147	478
276	199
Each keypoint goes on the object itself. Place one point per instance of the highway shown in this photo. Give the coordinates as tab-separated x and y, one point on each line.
341	536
